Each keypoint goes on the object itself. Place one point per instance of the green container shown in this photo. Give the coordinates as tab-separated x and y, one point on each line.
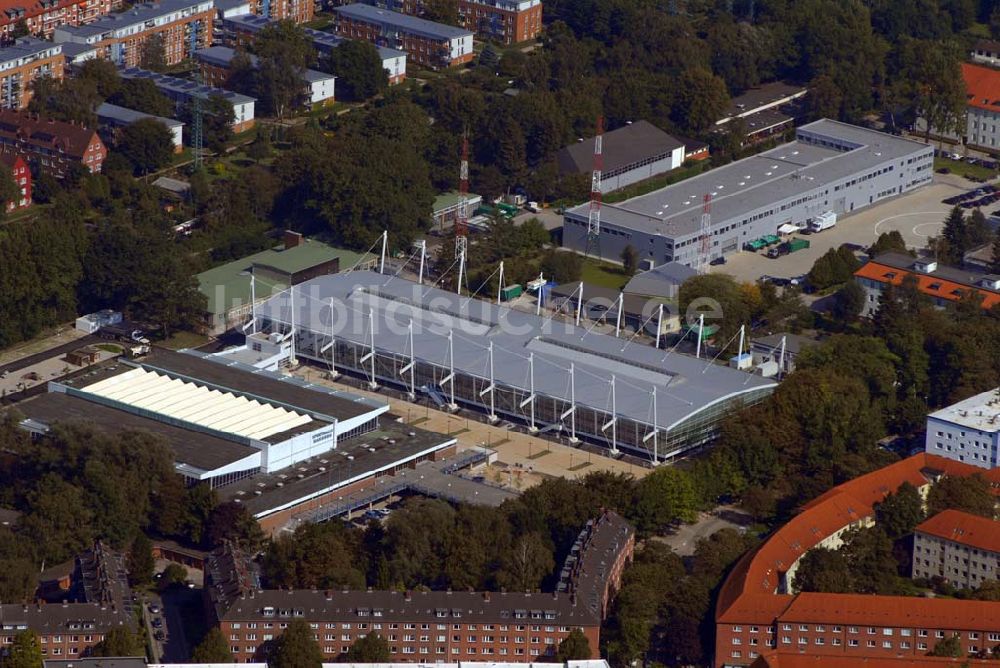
797	244
511	292
771	239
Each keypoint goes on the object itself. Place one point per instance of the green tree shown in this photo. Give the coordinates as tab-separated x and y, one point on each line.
261	147
284	52
574	647
630	260
140	561
9	190
142	95
950	646
701	100
373	648
147	144
213	648
526	564
71	100
665	496
316	556
956	238
823	570
24	652
119	641
173	574
442	11
849	301
102	74
869	553
995	258
20	29
824	99
153	53
835	266
900	512
359	70
970	494
297	648
930	82
886	242
720	298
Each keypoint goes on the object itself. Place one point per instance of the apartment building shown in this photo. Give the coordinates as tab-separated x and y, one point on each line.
120	38
113	119
21	63
967	431
240	31
505	21
960	547
426	43
42	17
215	63
300	11
52	145
21	173
428	626
182	91
759	611
943	284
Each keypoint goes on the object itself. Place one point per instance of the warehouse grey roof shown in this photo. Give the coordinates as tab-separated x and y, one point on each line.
625	146
762	97
118	114
183	87
794	343
685	385
743	187
405	22
222	56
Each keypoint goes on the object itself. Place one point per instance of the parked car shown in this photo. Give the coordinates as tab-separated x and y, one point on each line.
154	608
717	261
157	623
159	635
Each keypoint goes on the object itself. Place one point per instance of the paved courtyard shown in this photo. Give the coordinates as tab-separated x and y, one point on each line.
917	216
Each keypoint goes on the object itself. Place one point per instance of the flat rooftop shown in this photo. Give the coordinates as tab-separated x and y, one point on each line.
26	47
405	22
229	284
762	97
198	450
370	453
126	115
755	182
980	412
184	87
685	385
222	56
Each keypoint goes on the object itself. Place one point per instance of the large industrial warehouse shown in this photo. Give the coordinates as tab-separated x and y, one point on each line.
275	443
458	350
831	166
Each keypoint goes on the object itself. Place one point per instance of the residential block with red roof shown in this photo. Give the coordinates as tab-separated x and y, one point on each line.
758	610
961	547
982	109
53	145
943	284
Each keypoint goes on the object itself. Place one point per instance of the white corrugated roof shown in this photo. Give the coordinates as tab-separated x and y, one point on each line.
213	409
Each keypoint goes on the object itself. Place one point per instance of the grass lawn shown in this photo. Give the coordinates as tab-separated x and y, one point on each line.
964	169
604	274
184	340
110	348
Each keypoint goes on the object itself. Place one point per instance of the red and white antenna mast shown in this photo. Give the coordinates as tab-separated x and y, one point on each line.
594	216
706	236
462	217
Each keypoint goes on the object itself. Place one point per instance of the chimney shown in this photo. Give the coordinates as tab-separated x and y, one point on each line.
407	596
292	239
486	596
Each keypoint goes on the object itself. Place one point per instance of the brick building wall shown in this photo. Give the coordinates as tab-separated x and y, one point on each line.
299	11
15	83
420	50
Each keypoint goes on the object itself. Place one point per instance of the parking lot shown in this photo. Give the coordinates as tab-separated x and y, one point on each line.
916	215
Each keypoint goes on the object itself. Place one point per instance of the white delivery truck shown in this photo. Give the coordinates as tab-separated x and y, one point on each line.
823	221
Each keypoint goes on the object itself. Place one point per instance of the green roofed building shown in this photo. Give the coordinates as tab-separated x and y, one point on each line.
446	207
227	287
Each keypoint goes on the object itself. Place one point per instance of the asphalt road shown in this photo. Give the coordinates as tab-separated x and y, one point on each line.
176	649
58	351
684	540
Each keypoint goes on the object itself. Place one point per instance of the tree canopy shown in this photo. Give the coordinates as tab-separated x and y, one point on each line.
359	70
296	648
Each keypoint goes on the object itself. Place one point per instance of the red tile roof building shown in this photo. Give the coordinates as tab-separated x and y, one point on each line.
960	547
21	173
757	609
53	145
44	16
429	626
943	284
